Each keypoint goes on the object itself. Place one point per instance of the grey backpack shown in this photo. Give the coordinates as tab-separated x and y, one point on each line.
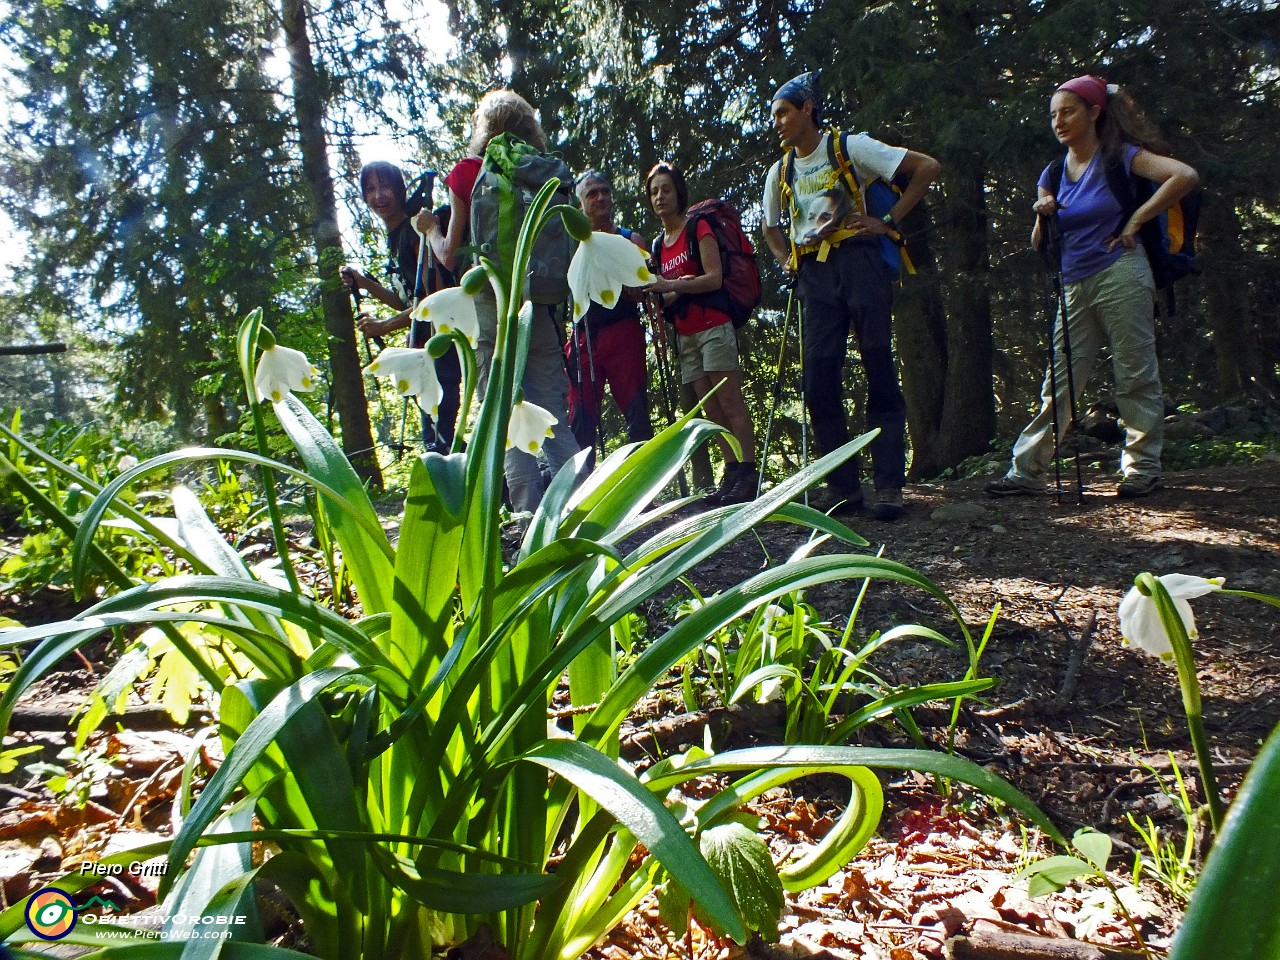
511	175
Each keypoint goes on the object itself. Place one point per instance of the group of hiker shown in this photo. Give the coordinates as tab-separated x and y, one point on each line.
832	207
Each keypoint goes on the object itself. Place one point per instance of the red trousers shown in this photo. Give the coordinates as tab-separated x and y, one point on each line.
616	357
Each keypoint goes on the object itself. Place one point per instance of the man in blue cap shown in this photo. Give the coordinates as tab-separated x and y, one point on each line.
834	250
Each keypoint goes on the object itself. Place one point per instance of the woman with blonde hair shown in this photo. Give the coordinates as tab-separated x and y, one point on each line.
544	382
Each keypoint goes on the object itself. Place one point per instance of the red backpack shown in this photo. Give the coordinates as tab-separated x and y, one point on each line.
740	293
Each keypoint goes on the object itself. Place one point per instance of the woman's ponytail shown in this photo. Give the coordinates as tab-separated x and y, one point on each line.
1123	121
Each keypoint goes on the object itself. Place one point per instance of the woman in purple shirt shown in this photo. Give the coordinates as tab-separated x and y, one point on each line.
1107	279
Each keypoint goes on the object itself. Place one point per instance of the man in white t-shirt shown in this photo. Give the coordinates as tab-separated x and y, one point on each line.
843	281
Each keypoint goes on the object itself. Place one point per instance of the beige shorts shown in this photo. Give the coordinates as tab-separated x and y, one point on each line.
711	351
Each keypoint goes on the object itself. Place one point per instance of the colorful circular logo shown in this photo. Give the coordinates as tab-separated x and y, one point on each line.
51	914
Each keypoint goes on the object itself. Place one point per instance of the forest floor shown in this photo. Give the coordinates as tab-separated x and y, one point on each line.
1091	741
1090	730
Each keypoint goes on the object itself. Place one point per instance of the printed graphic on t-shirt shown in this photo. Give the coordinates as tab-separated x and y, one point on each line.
823	200
676	261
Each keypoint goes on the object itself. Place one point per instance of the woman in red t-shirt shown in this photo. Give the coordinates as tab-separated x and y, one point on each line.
708	343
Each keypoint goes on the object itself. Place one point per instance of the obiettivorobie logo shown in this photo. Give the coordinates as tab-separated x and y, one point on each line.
51	913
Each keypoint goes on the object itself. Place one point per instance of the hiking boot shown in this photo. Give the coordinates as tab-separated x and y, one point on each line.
716	497
888	506
1137	485
512	532
835	502
1007	486
739	486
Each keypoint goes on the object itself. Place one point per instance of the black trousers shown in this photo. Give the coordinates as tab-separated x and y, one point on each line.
853	291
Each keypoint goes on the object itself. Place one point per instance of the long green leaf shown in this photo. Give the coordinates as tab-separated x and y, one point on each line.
299	610
903	699
11	474
467	893
1233	914
426	569
103	502
312	754
857	823
260	734
215	884
925	761
365	552
636	808
728	606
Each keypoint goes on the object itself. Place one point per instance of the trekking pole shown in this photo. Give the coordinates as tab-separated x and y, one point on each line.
1060	294
424	192
597	433
777	386
665	376
368	355
804	405
1048	256
368	351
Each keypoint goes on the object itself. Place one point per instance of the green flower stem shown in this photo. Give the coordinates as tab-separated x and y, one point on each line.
485	456
468	356
1184	657
1128	917
248	351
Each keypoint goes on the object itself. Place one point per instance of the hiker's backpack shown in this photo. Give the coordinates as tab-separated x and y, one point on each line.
875	199
740	292
1169	239
511	175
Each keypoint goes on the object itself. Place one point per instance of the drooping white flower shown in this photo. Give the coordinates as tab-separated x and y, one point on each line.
281	371
413	372
127	462
1140	622
450	309
603	264
529	427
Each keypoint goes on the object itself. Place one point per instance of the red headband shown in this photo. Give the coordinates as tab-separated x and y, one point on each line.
1092	90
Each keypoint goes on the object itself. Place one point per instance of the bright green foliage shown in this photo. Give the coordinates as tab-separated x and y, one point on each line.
785	650
50	485
1054	873
399	764
1171	867
74	776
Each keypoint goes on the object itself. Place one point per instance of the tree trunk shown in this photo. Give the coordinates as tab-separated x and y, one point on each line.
1226	287
947	363
920	326
348	383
